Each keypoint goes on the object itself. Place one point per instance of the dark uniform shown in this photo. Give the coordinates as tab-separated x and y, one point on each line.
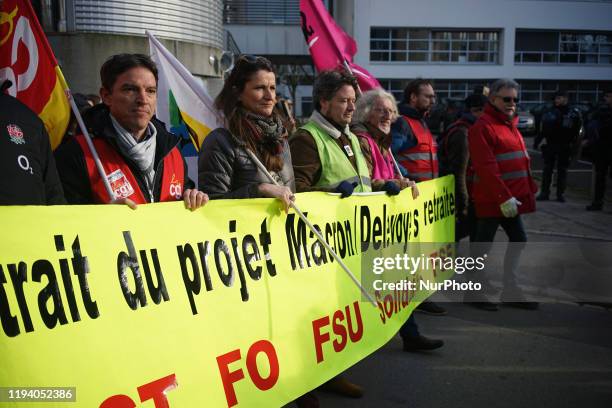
601	146
561	128
29	176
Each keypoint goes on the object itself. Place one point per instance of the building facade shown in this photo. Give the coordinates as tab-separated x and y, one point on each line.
545	45
84	33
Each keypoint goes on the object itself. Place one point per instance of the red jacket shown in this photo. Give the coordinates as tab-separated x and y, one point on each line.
421	160
122	180
501	164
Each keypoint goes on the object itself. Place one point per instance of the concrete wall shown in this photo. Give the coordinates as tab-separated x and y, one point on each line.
81	55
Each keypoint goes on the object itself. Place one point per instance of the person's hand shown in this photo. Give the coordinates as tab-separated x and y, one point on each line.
391	188
345	189
284	194
509	208
125	201
415	190
194	199
407	183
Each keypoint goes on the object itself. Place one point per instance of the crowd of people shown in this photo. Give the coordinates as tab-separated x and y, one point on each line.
352	142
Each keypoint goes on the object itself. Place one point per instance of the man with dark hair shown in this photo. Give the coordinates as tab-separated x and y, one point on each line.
414	146
142	161
502	187
561	128
28	170
413	143
599	139
326	155
454	158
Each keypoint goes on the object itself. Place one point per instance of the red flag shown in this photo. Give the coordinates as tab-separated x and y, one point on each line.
329	46
27	61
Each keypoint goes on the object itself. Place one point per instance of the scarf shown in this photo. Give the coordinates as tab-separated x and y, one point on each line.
330	128
142	153
268	133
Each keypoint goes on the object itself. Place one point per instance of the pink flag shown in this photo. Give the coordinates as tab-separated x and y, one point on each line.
329	45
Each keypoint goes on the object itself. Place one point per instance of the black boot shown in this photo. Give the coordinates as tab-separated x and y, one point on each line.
421	343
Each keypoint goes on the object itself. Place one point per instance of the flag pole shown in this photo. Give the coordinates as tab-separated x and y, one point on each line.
348	68
90	144
314	230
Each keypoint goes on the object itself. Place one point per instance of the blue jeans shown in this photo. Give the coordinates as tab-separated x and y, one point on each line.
410	328
486	228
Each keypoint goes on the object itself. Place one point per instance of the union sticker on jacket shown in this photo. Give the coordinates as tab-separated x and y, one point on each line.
120	184
348	150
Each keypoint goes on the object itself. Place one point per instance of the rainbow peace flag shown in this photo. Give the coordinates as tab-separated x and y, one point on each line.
183	103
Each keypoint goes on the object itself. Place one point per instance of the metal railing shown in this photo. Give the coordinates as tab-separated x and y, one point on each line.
554	57
281	12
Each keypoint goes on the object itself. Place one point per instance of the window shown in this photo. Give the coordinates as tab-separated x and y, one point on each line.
554	47
533	93
445	89
433	46
269	12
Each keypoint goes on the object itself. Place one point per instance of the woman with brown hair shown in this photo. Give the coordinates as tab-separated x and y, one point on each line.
230	160
228	163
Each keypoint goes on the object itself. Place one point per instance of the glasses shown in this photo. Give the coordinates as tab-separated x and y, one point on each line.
383	111
251	59
508	99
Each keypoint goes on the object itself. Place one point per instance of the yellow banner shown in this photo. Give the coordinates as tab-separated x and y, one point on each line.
233	304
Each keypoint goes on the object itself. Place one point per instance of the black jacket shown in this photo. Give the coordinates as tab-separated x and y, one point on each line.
28	170
454	156
225	169
73	170
561	125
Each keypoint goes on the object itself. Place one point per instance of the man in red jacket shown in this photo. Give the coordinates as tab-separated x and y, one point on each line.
142	161
502	188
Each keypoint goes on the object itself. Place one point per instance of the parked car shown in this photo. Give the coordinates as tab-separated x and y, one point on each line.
526	123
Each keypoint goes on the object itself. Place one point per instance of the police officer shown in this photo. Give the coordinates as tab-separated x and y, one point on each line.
560	127
600	142
28	170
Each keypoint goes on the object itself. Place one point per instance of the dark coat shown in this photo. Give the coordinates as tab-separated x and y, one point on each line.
28	170
454	157
225	169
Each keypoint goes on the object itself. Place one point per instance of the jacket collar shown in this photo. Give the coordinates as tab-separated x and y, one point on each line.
468	117
327	126
498	116
405	109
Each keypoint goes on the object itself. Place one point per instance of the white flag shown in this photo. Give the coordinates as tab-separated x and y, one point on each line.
181	99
